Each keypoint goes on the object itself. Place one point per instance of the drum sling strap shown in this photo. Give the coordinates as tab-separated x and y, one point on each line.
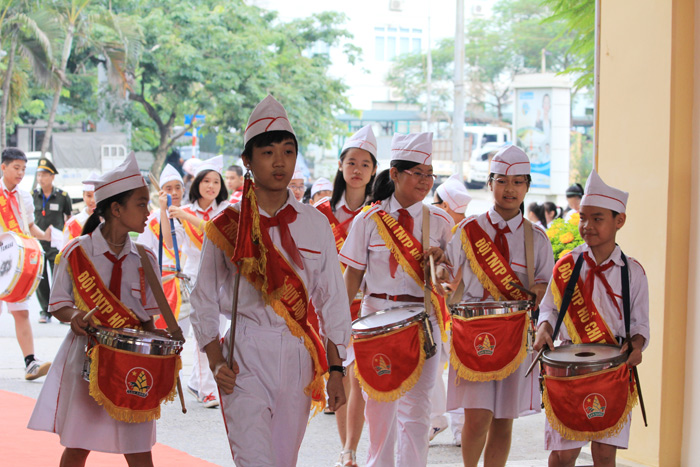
427	290
568	293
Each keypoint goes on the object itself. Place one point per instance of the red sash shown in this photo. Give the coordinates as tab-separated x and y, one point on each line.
340	231
89	291
7	216
193	232
408	252
389	365
173	293
591	406
281	287
595	405
584	323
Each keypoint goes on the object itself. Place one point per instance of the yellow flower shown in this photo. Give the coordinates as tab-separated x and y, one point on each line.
575	218
551	233
564	253
568	237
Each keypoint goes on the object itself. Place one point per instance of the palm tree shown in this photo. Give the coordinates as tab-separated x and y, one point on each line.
28	35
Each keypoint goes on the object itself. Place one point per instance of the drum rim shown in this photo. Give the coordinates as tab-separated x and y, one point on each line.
412	319
492	304
97	331
565	364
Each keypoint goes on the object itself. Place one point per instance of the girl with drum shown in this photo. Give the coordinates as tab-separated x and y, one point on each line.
377	252
351	190
208	197
597	323
486	373
103	260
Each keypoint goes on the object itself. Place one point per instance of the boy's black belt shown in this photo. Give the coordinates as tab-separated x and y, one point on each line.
397	298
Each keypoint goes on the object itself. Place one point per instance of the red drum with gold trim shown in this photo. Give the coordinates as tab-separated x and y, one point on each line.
21	266
581	359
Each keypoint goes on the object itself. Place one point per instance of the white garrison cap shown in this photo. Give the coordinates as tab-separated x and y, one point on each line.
169	174
455	194
190	165
597	193
268	115
215	163
126	176
510	160
90	186
414	147
363	139
298	173
322	184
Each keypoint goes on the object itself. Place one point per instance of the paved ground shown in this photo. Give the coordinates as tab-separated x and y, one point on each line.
201	432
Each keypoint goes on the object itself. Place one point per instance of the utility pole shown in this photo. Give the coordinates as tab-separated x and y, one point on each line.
429	79
458	113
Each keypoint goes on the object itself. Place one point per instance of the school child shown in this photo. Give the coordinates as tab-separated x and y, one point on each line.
170	183
603	214
352	188
74	225
493	244
233	178
452	197
278	358
399	192
65	406
298	184
322	188
208	197
573	199
17	215
551	212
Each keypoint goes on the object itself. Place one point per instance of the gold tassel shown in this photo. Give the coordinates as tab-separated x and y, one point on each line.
468	374
476	268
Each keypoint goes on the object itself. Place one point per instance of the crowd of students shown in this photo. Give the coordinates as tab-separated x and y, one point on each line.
360	246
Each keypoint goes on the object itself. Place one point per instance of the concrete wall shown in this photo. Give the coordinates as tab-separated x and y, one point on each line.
647	56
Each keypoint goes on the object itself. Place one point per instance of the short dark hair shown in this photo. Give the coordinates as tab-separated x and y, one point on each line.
268	138
235	168
13	154
194	188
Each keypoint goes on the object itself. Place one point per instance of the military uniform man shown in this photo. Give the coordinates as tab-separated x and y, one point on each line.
52	207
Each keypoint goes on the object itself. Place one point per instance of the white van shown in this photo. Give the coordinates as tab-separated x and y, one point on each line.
484	141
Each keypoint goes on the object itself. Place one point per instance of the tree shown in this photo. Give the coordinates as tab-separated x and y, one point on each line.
27	34
496	49
220	58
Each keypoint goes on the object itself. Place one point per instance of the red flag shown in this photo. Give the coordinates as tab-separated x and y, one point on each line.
245	243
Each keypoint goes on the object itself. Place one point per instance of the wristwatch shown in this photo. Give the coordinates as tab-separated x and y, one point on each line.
338	368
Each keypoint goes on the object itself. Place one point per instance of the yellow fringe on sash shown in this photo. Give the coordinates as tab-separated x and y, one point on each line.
409	270
482	376
484	279
406	385
573	435
123	414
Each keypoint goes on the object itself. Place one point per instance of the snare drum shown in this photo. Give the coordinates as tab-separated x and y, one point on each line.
130	340
21	266
392	319
581	359
477	309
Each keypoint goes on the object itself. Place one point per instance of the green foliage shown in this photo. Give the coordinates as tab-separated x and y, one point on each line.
564	236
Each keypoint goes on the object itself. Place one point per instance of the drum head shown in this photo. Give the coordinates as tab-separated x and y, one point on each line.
128	333
384	318
583	354
9	258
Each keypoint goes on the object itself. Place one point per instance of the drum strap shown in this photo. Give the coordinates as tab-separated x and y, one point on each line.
570	286
529	252
425	234
159	295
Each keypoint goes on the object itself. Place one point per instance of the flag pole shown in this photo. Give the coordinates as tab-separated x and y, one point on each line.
234	313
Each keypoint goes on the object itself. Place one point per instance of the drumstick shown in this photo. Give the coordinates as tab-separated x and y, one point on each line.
523	289
89	314
433	276
537	359
182	397
154	182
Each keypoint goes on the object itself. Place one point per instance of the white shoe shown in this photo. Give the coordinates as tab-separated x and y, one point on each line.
457	439
210	401
436	430
36	369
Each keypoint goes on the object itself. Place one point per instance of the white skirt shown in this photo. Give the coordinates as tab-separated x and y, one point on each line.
65	407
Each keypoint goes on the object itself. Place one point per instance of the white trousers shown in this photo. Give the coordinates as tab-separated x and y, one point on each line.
404	423
267	413
202	380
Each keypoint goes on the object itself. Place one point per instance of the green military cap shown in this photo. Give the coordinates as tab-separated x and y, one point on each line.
45	164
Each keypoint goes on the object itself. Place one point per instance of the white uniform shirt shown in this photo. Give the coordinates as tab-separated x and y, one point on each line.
213	291
191	252
544	258
639	297
341	211
149	239
95	246
80	219
364	249
25	201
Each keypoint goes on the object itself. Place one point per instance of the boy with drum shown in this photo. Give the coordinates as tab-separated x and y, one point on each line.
489	359
279	360
595	315
102	265
17	215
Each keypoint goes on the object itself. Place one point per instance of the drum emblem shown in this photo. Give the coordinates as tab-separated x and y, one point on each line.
594	405
33	259
485	343
381	364
138	382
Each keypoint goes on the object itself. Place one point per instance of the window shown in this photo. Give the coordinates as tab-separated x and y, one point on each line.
404	45
390	48
379	48
416	45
